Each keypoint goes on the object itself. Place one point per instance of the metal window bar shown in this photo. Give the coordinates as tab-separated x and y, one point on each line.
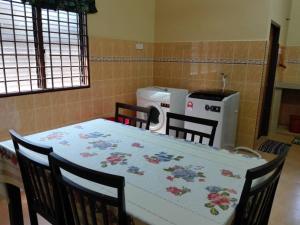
70	58
15	44
50	50
3	62
79	50
24	44
83	40
40	59
28	51
60	50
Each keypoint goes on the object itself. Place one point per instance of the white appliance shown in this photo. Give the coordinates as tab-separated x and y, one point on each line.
215	105
162	100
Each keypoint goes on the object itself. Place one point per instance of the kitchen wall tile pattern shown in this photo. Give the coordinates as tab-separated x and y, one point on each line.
117	69
111	81
198	66
290	74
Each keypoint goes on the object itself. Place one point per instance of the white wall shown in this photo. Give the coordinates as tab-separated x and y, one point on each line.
123	19
279	11
294	26
195	20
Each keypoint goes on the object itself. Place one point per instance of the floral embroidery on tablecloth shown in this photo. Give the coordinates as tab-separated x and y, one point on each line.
220	198
135	170
187	173
116	158
64	143
93	135
88	155
137	145
78	127
161	157
54	136
178	191
102	145
228	173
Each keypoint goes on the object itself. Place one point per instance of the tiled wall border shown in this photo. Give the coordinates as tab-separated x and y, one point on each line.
176	60
215	61
120	59
296	61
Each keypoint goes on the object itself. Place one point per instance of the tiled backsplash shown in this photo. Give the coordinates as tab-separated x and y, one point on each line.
199	65
290	74
118	69
111	81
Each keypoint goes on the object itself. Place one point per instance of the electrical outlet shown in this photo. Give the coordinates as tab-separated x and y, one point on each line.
139	46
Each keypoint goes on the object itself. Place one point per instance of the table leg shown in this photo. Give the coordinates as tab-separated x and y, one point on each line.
14	205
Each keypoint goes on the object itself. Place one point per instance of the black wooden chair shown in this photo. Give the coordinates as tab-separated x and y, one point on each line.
83	206
134	114
258	194
185	133
37	180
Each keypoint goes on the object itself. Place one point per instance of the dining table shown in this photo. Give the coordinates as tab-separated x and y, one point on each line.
169	181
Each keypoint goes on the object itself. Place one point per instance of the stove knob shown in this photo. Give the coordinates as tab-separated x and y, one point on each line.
207	107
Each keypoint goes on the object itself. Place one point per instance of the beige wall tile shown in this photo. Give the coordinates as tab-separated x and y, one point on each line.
241	50
59	116
244	77
110	82
24	102
43	118
257	50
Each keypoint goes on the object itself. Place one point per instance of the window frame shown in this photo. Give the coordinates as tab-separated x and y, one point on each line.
40	56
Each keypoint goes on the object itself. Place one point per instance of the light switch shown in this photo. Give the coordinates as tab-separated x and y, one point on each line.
139	46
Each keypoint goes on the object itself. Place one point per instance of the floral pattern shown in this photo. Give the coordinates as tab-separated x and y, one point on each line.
135	170
161	157
54	136
178	191
228	173
116	158
102	145
64	143
78	127
137	145
188	173
88	155
149	166
93	135
220	198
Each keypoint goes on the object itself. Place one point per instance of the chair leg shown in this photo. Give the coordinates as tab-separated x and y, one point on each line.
14	205
33	217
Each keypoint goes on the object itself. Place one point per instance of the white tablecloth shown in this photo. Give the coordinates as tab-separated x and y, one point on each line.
168	181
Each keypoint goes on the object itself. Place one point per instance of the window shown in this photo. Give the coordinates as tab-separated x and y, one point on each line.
41	50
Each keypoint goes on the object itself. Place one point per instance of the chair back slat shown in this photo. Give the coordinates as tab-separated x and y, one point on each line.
93	211
133	119
37	179
85	205
189	134
258	193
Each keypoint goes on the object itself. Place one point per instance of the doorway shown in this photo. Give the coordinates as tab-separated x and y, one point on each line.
270	80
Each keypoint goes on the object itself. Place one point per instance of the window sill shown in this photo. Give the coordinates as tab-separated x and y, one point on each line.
42	91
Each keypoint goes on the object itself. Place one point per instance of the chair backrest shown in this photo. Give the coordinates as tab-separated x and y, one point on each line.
193	134
133	117
37	177
258	194
83	205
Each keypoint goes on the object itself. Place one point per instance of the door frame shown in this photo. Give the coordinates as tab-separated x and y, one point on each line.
271	68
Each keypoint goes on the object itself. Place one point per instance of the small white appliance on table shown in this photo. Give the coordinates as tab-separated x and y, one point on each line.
162	100
218	105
